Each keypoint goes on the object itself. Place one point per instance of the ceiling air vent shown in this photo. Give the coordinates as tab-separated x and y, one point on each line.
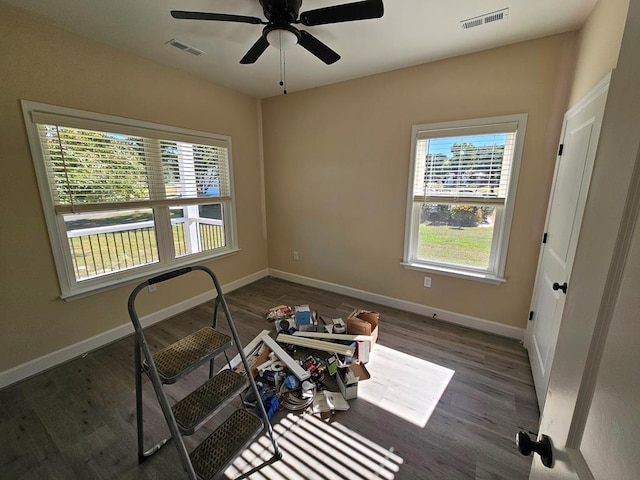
486	18
184	47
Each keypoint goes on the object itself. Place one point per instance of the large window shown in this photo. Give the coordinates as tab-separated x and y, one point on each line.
124	198
461	195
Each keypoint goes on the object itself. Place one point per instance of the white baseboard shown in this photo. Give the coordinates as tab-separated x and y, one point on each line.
38	365
481	324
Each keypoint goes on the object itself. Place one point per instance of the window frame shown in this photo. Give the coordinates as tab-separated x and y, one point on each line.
502	227
72	288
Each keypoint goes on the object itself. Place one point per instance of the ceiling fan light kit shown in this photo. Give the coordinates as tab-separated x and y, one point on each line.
282	38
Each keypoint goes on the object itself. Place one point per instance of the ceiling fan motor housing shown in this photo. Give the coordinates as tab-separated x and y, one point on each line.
281	11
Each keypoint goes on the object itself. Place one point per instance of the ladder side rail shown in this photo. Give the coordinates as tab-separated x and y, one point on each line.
215	310
245	363
142	455
152	372
214	325
139	404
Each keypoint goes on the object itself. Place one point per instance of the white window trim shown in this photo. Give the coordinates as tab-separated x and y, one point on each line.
72	289
500	243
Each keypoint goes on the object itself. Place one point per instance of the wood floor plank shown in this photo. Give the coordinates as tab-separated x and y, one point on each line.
78	420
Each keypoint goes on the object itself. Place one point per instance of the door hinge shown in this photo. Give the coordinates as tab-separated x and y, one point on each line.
560	149
531	315
544	237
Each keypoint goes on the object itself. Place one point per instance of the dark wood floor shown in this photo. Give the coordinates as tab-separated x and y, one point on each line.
78	420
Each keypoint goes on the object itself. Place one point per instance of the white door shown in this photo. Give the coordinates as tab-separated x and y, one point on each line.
572	177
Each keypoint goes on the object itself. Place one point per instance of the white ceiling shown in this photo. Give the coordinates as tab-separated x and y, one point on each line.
411	32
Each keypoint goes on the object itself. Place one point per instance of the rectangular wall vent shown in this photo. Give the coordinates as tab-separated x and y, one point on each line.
486	18
184	47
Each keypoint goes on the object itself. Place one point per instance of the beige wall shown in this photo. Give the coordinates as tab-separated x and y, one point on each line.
44	64
337	159
598	45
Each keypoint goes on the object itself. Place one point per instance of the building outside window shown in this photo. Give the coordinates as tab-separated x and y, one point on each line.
461	195
125	199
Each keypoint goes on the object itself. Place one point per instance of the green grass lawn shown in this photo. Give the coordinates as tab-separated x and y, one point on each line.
112	218
461	245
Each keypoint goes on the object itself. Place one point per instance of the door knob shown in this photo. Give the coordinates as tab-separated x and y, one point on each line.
557	286
542	447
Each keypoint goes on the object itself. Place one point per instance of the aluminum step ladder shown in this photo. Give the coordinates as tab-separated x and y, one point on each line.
217	452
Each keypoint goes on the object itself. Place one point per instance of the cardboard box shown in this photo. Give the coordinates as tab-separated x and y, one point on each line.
348	379
255	361
364	322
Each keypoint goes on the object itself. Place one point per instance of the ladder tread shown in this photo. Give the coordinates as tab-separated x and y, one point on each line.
204	402
212	457
176	360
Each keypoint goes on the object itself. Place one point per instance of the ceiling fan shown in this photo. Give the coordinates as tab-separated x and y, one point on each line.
282	14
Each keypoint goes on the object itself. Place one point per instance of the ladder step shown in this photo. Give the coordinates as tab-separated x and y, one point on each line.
188	353
201	404
214	455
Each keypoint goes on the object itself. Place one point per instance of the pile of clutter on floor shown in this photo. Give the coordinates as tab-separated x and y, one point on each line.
314	364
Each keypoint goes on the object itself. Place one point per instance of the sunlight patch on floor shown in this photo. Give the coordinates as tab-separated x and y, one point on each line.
403	385
313	448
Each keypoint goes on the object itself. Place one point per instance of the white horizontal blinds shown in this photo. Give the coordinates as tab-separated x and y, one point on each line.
195	171
464	165
93	169
125	129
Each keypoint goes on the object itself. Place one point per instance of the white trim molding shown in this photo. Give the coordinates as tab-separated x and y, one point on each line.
601	87
487	326
39	365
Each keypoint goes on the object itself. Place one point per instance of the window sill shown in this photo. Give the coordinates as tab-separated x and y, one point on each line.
453	272
118	280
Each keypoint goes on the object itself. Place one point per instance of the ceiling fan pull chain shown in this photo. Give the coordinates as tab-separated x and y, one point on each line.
283	79
284	70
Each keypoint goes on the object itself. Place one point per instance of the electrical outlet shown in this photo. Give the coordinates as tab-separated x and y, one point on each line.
427	282
296	255
153	288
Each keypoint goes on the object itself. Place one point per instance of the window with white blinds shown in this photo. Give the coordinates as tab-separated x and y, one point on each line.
125	198
115	165
462	185
465	164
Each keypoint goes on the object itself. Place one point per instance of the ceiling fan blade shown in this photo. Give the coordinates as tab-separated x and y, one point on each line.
254	52
347	12
319	49
220	17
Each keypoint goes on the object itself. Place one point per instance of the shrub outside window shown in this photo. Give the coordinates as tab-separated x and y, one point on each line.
125	199
461	194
